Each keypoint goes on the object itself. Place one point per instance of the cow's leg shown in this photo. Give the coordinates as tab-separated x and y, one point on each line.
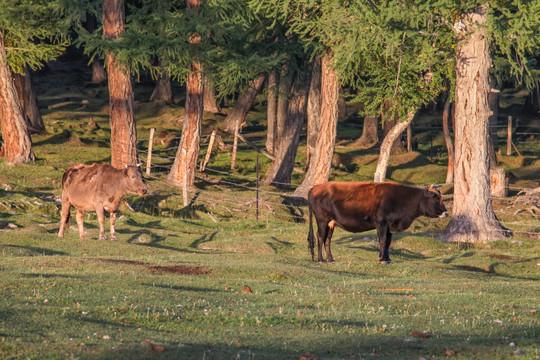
80	218
385	238
329	234
322	231
64	217
113	221
101	219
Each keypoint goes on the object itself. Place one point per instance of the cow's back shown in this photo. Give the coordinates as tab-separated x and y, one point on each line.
80	184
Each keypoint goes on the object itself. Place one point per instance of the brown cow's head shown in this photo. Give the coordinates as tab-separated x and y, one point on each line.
134	181
432	204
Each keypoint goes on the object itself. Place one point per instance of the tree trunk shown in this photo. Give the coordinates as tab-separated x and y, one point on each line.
122	118
98	71
387	145
17	147
284	94
473	218
279	174
185	163
27	97
313	111
271	112
210	103
242	105
493	143
321	160
162	90
369	137
389	120
448	141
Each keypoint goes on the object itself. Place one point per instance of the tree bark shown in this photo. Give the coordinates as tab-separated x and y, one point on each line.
271	112
448	141
242	105
122	117
17	147
321	160
314	111
388	144
185	163
162	90
369	137
98	71
210	103
389	121
279	174
473	218
27	97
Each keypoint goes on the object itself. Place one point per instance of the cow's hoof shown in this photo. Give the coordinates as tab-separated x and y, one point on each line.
385	262
102	237
113	238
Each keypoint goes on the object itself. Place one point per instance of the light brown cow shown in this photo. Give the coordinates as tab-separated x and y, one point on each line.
97	187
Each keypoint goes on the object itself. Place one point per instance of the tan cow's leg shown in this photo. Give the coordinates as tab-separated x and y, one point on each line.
64	217
113	221
101	219
80	217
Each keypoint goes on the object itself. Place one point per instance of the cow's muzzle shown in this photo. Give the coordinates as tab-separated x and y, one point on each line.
143	191
443	215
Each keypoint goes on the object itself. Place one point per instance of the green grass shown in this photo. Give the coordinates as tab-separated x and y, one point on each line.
174	279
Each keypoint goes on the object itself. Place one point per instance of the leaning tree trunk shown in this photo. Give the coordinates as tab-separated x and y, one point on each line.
17	147
185	163
369	137
321	160
313	111
98	71
27	96
271	112
473	218
122	117
279	173
448	141
389	120
388	144
162	90
242	105
210	103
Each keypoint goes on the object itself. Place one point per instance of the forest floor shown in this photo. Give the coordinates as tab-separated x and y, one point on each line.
213	282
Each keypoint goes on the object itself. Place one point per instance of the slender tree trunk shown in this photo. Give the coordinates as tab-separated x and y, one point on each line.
284	94
493	144
279	174
210	102
271	112
122	117
17	147
242	105
98	71
27	96
185	162
389	120
473	218
162	90
321	160
313	111
387	145
448	141
369	137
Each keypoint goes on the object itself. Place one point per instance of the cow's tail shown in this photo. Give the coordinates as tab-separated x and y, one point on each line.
311	237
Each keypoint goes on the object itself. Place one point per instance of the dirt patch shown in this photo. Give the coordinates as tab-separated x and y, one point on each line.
179	269
502	257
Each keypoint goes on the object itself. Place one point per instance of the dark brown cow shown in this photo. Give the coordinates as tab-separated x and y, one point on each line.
97	187
362	206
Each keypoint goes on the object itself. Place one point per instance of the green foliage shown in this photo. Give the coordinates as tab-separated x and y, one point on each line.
34	32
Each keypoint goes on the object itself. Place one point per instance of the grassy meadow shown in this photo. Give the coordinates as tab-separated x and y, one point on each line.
212	282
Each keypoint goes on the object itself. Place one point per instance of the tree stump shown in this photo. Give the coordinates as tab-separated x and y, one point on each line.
498	182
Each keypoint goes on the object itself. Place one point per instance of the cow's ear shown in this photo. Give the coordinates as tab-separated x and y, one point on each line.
125	170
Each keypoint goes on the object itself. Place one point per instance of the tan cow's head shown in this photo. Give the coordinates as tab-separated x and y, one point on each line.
134	180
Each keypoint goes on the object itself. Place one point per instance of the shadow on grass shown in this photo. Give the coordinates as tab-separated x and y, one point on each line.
277	245
52	276
34	251
181	288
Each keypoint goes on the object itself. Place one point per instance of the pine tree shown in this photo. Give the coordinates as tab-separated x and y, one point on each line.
32	32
